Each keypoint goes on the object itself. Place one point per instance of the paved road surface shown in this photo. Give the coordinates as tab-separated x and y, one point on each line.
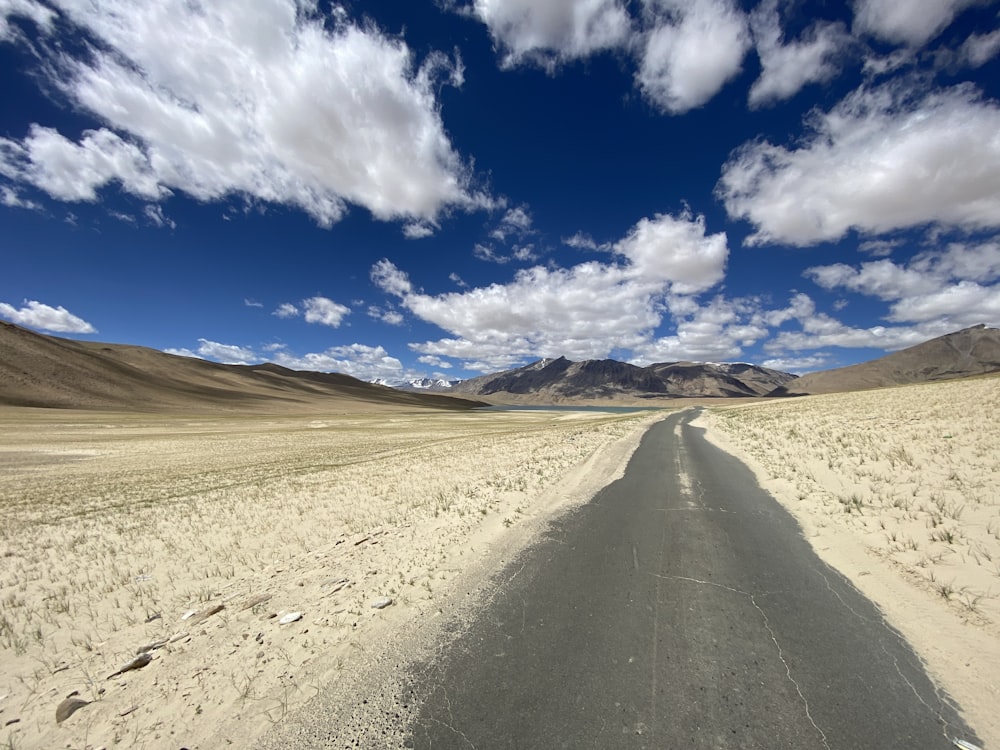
680	608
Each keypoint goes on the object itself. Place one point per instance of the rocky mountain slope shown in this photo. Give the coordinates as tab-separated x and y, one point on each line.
965	353
560	379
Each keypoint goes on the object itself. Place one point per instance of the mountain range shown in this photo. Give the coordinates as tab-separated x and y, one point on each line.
47	371
969	352
556	380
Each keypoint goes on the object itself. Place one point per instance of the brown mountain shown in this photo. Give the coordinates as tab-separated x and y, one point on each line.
48	371
555	380
972	351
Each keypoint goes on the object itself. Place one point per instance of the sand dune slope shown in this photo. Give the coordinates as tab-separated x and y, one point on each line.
48	371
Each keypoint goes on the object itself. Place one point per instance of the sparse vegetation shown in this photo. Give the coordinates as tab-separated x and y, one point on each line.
895	466
116	525
899	488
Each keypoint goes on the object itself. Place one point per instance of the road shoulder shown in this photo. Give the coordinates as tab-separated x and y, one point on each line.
963	658
367	702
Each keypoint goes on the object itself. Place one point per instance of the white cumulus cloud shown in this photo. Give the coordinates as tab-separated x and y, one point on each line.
798	365
387	277
582	312
418	230
787	66
12	199
358	360
154	213
583	241
685	50
691	50
228	354
553	31
676	250
35	314
979	49
274	102
882	159
318	309
949	289
324	311
912	22
714	332
39	14
937	291
825	331
390	316
72	171
516	221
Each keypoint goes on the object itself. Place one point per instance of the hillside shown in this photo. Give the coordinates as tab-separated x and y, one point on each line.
560	380
965	353
48	371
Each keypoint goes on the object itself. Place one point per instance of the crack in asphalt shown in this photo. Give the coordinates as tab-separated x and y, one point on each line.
654	714
774	639
939	711
450	726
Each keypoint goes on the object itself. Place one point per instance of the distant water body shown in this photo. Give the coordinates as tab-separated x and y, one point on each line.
539	407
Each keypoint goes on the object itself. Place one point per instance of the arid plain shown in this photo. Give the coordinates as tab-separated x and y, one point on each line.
899	489
193	539
196	537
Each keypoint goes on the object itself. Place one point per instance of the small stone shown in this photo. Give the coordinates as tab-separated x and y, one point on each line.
204	614
381	603
254	600
151	646
290	618
68	707
137	663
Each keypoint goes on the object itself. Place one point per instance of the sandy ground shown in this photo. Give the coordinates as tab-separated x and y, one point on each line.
899	489
176	581
193	537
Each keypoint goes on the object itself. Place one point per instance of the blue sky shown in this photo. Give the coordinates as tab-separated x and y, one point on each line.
411	188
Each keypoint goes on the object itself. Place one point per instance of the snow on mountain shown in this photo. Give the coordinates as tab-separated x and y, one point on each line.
418	384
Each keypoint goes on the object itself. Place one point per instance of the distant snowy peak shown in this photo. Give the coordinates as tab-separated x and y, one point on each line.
418	384
429	383
542	363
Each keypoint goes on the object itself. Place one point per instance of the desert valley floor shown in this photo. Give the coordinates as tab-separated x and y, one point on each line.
254	558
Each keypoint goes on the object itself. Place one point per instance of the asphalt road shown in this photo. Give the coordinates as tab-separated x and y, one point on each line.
680	608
